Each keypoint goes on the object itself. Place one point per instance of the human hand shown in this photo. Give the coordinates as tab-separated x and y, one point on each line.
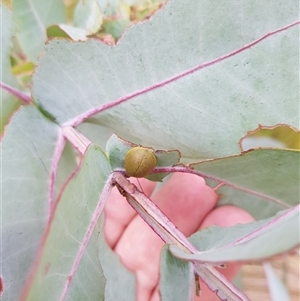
190	204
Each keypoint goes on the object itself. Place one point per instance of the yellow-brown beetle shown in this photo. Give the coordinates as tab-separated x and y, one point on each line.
139	161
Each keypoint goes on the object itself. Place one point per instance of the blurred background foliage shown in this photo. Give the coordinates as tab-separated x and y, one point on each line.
117	15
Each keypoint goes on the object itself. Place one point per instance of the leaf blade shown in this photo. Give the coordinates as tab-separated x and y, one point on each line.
244	242
33	17
261	181
70	229
186	83
26	164
176	278
9	103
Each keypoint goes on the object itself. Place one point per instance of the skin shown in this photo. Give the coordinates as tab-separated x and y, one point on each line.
189	204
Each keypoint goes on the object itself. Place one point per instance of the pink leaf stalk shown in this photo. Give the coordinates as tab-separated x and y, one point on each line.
24	97
78	140
60	144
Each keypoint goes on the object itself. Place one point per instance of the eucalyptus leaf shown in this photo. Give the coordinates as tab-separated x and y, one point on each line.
68	233
98	134
67	31
89	281
244	242
88	16
109	7
27	150
120	283
32	18
176	278
180	75
261	181
9	103
277	289
116	27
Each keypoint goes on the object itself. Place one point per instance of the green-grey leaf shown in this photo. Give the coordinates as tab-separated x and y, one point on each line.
117	13
261	181
116	27
27	150
120	284
203	113
32	18
244	242
9	103
176	278
97	134
67	31
116	150
88	16
89	282
277	289
68	234
109	7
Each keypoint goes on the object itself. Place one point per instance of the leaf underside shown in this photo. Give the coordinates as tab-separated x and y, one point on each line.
205	113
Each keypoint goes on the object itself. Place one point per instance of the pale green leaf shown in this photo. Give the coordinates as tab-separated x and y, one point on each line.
63	30
109	7
120	283
88	16
202	112
278	290
98	134
27	150
115	27
176	278
9	103
244	242
261	181
32	18
89	282
117	15
67	235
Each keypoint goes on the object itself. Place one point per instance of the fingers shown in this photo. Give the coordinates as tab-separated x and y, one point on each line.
226	216
118	213
186	200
